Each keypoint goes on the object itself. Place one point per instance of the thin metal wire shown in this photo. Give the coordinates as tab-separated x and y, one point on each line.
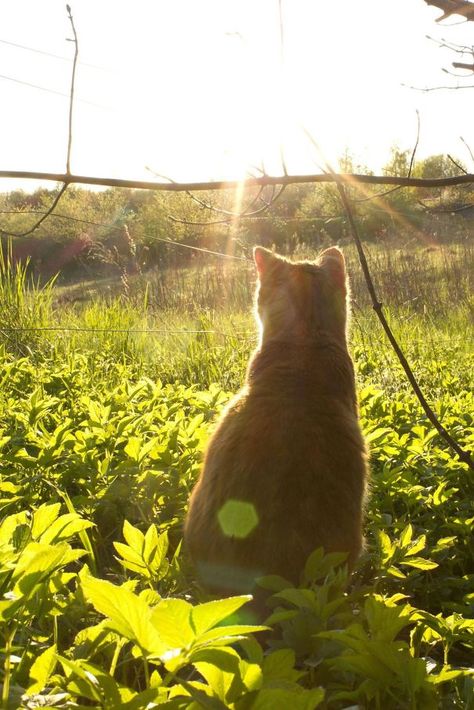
163	331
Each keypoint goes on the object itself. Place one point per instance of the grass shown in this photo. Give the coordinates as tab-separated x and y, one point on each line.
102	435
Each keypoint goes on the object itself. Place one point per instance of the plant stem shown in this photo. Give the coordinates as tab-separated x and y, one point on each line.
7	667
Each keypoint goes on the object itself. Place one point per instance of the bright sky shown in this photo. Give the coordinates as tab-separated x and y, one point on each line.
199	89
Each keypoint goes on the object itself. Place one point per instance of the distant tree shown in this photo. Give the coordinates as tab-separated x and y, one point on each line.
439	166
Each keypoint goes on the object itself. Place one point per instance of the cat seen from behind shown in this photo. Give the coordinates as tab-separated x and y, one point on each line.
285	471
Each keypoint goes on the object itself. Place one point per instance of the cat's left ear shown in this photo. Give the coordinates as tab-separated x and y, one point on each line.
264	259
333	263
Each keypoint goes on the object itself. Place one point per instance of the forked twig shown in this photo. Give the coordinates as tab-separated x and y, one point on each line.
463	455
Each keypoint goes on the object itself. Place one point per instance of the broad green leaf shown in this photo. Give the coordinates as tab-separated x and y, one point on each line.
227	632
133	447
65	527
386	545
448	673
43	517
134	537
38	562
420	563
406	536
416	546
42	669
171	620
129	554
219	680
280	665
127	613
283	699
10	524
205	616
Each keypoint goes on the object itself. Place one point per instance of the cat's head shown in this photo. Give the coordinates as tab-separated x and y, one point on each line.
301	300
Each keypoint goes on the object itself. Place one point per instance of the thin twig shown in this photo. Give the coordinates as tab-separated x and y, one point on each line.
65	184
229	214
71	92
459	167
468	148
439	88
49	211
235	216
463	455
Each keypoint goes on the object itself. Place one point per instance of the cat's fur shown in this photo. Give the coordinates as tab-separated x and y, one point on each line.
289	444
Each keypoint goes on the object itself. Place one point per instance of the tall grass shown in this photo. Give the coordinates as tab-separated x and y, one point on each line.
26	306
195	324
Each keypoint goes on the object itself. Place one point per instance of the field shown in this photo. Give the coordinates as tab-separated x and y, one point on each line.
108	395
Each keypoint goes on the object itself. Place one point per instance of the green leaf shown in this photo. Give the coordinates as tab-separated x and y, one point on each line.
406	536
43	517
448	673
283	699
127	613
38	562
134	537
205	616
416	546
228	632
385	545
133	447
420	563
42	669
65	527
280	665
171	619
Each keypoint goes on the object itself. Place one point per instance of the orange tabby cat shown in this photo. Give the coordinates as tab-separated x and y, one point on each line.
285	471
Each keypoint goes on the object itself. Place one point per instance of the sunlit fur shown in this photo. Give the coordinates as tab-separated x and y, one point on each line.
290	442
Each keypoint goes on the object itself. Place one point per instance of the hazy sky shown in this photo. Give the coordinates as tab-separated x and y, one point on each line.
200	89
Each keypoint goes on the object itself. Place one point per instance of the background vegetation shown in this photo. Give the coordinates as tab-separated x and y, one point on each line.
109	389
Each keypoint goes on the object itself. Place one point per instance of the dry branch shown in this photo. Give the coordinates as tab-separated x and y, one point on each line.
264	180
453	7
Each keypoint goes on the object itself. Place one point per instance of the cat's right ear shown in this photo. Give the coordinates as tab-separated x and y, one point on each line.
263	259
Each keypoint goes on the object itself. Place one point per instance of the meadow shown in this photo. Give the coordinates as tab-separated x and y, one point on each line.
108	394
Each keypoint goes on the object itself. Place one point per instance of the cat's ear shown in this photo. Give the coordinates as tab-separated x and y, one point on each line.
333	263
264	259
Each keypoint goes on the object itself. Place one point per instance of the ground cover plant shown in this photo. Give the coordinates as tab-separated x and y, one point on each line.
101	438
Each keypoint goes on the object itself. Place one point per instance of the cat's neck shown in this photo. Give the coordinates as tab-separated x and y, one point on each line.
304	366
316	345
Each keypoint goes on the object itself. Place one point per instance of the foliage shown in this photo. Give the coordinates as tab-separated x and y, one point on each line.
85	237
101	439
98	606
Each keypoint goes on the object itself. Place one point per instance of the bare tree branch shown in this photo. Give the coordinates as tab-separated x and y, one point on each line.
349	178
453	7
461	65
